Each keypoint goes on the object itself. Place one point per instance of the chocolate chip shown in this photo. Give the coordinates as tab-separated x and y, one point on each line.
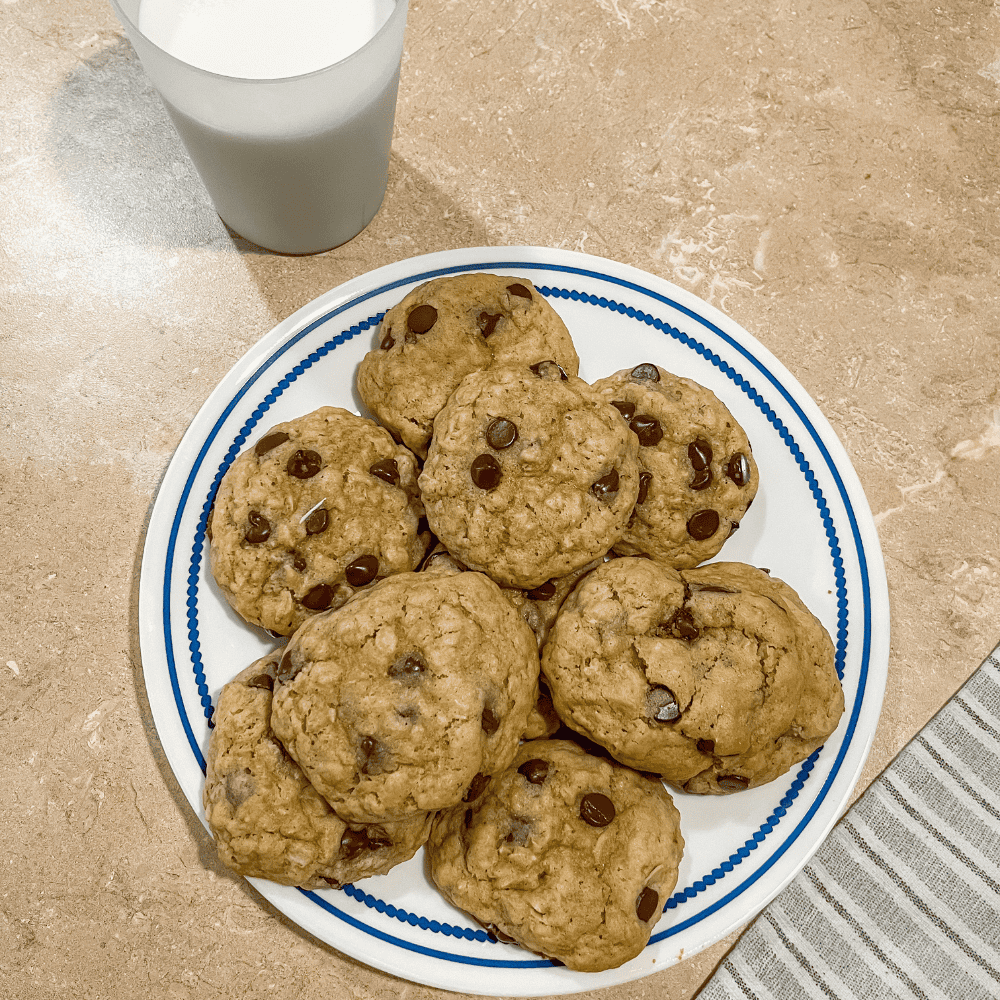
421	319
486	472
645	373
706	746
519	290
263	681
259	530
361	571
387	342
304	464
352	843
543	593
624	407
646	904
407	668
487	322
535	770
738	469
467	819
372	756
703	524
298	563
710	588
645	478
702	480
597	809
387	471
489	721
269	442
647	429
501	433
548	369
681	626
476	787
733	782
288	667
606	488
319	598
699	454
377	837
318	521
661	704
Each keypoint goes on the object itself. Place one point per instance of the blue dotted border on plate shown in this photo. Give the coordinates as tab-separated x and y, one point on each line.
751	844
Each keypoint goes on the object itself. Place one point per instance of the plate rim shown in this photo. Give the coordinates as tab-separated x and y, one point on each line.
251	366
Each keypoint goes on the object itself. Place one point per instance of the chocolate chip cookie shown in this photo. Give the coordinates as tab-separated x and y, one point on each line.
267	819
409	696
444	330
531	474
718	678
317	509
570	855
698	475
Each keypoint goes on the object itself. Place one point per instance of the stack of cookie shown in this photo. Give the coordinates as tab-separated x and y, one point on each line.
506	554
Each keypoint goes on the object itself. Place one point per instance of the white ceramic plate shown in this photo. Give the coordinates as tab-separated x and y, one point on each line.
810	525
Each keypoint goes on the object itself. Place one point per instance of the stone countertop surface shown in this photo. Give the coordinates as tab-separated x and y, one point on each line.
827	174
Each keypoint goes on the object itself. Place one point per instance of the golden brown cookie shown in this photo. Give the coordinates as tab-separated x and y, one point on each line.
569	855
444	330
267	819
318	508
697	472
718	678
409	696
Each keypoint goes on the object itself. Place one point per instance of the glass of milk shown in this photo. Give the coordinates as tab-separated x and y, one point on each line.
286	108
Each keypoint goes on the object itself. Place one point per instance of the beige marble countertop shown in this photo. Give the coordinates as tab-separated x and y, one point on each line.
826	173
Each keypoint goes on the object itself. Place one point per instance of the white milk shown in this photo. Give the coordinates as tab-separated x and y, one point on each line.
262	39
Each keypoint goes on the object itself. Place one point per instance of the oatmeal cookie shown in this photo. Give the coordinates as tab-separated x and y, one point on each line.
570	855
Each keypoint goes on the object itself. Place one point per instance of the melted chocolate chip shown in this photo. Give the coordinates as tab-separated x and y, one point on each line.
264	681
647	429
522	291
421	319
733	782
259	530
487	323
543	593
288	667
386	470
319	598
387	342
606	488
489	721
304	464
702	479
269	442
738	469
476	787
699	454
407	668
501	433
548	369
645	478
624	407
486	472
352	843
535	770
361	571
317	522
703	524
646	904
661	704
706	746
681	626
645	373
597	809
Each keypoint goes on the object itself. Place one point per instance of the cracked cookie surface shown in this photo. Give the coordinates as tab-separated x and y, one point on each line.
267	819
409	696
718	678
697	472
530	474
570	855
318	508
447	328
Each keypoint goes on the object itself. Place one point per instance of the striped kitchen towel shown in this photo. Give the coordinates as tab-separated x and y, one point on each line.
903	898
